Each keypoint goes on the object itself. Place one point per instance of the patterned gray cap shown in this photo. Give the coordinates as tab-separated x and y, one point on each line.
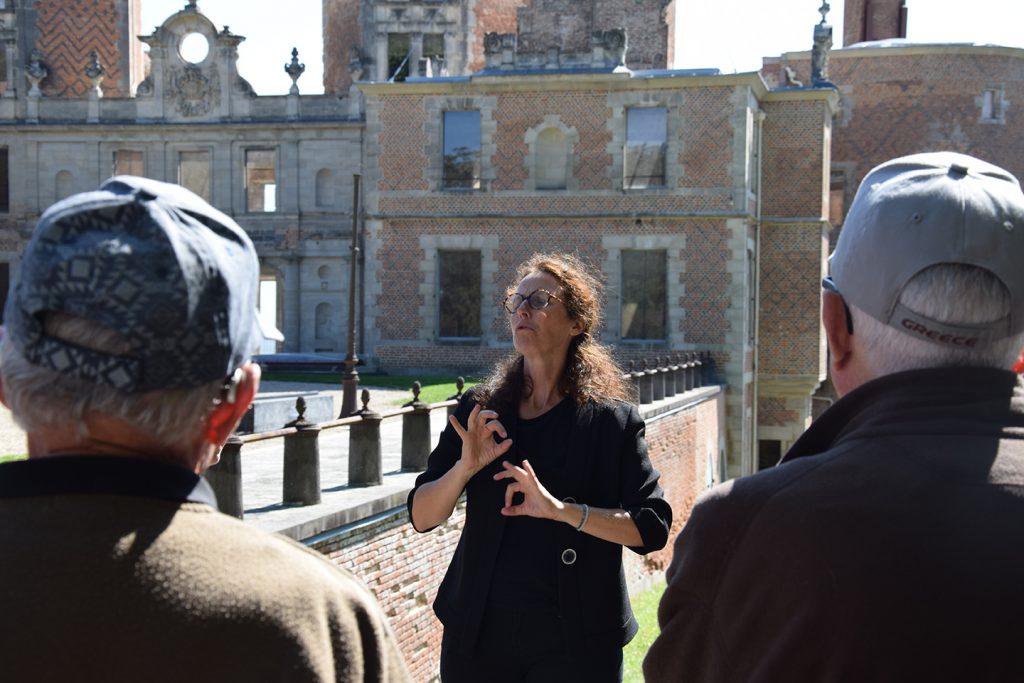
175	277
928	209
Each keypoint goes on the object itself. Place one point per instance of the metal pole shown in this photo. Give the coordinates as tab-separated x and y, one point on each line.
350	381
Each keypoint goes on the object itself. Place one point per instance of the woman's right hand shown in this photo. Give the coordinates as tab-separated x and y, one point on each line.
479	448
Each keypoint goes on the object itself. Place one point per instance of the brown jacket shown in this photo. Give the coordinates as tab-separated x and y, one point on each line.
113	569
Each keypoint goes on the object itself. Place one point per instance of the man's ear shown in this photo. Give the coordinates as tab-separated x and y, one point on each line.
225	416
837	331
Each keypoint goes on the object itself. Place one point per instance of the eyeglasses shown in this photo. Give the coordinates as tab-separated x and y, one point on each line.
538	299
830	286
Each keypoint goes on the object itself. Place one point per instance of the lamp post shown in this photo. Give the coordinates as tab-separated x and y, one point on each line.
350	380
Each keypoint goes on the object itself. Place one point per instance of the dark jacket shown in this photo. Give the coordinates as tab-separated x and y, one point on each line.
886	547
607	467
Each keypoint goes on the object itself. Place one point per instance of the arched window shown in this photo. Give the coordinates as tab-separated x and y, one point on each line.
324	188
551	158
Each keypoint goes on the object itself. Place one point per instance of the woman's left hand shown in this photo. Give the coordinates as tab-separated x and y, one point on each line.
537	502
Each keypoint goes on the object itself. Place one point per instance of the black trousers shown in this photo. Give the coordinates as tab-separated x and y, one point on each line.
526	646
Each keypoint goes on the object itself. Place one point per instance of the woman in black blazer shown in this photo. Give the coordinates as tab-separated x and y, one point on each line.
554	465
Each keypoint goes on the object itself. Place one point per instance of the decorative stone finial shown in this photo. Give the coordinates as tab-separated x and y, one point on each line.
821	49
294	70
365	398
35	72
192	6
95	72
460	382
300	407
416	389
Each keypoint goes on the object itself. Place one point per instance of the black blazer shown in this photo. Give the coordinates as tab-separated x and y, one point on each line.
607	467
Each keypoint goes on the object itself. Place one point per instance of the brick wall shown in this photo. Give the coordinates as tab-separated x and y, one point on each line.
342	32
68	30
795	163
872	20
404	568
903	100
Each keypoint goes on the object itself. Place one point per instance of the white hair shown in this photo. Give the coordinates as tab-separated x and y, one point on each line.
949	293
43	400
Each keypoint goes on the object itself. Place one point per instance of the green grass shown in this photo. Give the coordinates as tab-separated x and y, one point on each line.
434	387
8	458
645	607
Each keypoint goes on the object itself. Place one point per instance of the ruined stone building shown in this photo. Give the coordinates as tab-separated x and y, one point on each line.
487	130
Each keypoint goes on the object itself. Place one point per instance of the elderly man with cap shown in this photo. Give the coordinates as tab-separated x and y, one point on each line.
887	544
125	357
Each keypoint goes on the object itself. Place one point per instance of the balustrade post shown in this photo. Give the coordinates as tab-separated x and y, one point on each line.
646	384
680	373
225	478
302	460
365	462
670	377
416	433
657	380
688	369
459	383
698	372
708	373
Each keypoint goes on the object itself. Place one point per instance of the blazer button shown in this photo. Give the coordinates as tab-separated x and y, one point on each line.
568	556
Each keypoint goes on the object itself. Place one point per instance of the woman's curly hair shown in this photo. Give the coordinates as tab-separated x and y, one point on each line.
590	373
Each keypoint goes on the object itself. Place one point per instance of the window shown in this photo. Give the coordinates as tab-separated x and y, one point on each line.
644	294
646	142
128	162
5	192
398	56
459	294
461	150
260	180
433	54
992	104
551	160
194	172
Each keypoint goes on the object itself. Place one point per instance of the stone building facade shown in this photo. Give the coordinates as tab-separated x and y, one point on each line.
282	166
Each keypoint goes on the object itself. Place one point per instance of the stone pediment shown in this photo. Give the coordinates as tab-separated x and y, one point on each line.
189	83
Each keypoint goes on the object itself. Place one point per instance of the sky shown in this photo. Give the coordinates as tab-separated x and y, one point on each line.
730	35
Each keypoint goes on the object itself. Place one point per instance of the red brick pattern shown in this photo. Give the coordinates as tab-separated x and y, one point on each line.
871	20
492	16
404	568
705	278
403	143
68	31
707	137
342	31
790	298
795	159
895	103
586	111
772	412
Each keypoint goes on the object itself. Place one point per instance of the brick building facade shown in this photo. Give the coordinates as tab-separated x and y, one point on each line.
523	125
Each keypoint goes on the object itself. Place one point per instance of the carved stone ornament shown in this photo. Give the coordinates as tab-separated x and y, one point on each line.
294	69
355	63
192	91
492	42
35	72
94	71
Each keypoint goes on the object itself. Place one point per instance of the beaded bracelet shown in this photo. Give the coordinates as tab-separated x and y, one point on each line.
586	514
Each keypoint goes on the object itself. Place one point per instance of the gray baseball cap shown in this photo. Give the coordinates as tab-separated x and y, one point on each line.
153	262
924	210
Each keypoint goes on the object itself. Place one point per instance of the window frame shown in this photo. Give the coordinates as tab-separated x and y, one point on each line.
439	297
664	339
476	183
245	178
628	185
